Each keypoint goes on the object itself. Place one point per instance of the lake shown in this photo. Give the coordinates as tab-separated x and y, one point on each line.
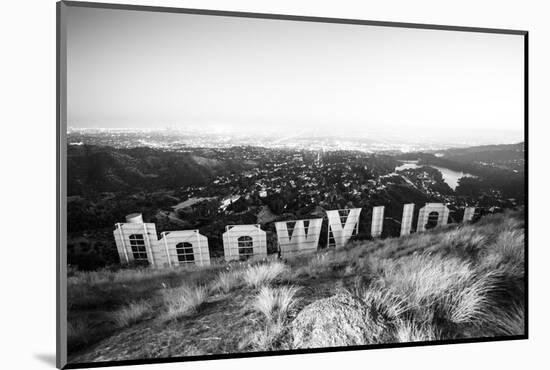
449	176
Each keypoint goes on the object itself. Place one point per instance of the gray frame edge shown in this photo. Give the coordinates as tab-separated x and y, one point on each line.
288	17
61	186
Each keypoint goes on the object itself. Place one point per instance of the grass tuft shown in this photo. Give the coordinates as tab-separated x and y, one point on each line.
384	303
258	275
267	339
274	303
226	281
131	313
506	322
183	301
409	331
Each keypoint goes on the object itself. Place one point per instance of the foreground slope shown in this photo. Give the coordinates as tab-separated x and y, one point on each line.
461	281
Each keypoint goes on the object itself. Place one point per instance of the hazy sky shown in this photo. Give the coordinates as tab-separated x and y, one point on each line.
131	69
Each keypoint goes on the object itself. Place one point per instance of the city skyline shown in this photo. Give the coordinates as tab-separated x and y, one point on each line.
157	70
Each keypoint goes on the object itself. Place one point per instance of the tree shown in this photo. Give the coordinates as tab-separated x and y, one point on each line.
276	203
469	186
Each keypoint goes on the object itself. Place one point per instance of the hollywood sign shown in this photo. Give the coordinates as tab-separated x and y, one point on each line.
137	241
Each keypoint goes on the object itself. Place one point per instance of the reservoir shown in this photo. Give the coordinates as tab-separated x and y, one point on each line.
449	176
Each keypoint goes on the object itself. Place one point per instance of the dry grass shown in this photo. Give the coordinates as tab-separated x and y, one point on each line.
463	278
506	322
349	260
226	281
132	313
258	275
507	248
77	333
420	277
433	286
136	275
274	303
183	301
119	276
459	282
384	302
409	331
312	266
267	339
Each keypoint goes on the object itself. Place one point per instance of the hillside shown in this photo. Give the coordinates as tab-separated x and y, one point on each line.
487	153
496	167
460	281
93	169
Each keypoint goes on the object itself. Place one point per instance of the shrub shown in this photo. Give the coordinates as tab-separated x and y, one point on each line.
256	276
131	313
183	301
86	261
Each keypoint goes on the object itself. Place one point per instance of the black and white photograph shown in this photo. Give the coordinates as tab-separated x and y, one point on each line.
242	184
